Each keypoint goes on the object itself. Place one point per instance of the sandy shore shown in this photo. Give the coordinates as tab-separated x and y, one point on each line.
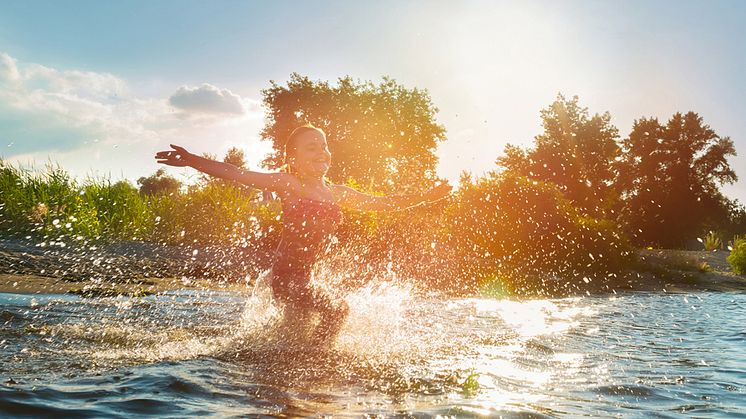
33	284
684	270
128	268
137	268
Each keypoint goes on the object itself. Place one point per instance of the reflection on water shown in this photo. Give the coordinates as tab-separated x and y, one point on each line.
212	353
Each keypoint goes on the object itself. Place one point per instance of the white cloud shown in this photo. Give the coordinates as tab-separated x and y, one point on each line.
207	99
86	84
91	122
8	69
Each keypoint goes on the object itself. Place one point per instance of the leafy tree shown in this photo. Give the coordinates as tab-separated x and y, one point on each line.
379	135
159	183
669	177
575	152
236	157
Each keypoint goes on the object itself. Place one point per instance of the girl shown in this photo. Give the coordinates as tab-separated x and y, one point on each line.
311	214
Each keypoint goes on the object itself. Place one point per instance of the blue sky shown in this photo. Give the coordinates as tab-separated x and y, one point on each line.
88	83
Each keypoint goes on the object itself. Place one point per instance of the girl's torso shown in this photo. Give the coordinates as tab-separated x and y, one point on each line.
308	226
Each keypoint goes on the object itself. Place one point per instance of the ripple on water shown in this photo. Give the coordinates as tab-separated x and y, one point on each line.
221	354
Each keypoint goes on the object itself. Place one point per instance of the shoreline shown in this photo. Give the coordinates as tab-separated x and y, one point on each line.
34	284
673	270
140	268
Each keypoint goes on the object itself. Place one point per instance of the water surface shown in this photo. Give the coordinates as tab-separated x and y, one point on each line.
222	354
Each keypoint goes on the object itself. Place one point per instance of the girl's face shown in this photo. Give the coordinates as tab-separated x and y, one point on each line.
311	156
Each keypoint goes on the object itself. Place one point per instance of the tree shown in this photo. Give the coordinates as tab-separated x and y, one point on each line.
669	178
236	157
379	135
159	183
575	152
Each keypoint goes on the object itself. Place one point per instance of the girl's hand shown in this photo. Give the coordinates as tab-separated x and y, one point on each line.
178	157
437	193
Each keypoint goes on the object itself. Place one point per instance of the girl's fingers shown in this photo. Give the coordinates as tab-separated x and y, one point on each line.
169	155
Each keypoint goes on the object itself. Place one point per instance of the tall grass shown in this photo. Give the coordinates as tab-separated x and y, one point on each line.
50	204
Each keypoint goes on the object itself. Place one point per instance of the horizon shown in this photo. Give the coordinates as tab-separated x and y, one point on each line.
99	88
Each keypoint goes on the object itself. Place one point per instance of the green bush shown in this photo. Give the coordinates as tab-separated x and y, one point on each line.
525	231
121	212
216	213
737	257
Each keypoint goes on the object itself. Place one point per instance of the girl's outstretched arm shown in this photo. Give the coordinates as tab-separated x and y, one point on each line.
179	157
351	198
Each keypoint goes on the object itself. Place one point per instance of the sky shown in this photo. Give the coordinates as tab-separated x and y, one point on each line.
99	86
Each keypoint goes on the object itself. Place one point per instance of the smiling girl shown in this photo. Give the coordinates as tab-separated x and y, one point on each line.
311	213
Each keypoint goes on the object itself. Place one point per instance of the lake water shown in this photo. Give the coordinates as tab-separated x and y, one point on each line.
222	354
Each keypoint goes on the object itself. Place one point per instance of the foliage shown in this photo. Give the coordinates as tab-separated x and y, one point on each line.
712	241
736	221
669	177
47	203
236	157
575	152
159	183
120	210
520	229
382	134
214	213
470	386
50	204
737	257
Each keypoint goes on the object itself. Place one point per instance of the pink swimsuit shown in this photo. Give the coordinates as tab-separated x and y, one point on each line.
308	226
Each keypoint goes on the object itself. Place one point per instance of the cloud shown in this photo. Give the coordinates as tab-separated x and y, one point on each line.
102	87
43	110
92	122
8	69
207	99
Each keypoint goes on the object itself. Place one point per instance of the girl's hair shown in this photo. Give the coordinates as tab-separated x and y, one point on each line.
292	142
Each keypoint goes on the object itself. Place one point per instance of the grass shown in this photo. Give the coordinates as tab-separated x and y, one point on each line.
712	242
49	204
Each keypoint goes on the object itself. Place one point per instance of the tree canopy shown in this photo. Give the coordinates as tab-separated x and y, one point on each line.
159	183
380	135
669	177
575	152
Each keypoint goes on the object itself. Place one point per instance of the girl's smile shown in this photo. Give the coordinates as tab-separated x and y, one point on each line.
311	155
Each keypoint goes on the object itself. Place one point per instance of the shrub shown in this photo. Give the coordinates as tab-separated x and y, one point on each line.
121	212
737	257
712	241
217	213
525	231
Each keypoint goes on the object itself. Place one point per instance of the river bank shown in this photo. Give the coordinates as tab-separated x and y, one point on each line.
671	270
128	268
141	268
